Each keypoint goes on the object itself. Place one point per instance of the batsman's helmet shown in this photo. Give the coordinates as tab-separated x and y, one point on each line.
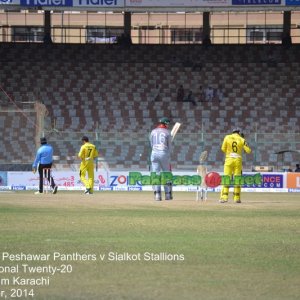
236	130
164	121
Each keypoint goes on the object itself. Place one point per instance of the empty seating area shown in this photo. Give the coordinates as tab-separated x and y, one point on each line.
110	90
18	136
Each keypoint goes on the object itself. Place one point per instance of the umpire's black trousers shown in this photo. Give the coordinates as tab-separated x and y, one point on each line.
49	176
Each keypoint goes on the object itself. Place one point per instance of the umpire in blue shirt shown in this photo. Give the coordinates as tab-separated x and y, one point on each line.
43	160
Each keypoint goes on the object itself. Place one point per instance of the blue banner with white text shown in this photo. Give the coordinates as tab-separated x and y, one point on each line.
272	181
65	3
34	3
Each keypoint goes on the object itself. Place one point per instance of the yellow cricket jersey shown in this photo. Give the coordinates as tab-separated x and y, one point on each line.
233	146
88	152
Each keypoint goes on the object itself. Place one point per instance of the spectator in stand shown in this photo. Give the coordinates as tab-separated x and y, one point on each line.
156	93
220	93
209	94
297	168
180	94
190	98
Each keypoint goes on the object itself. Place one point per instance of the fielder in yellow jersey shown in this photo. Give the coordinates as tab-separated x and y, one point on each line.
87	154
233	146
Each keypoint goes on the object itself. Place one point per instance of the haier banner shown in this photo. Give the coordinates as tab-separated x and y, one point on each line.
9	2
99	3
65	3
33	3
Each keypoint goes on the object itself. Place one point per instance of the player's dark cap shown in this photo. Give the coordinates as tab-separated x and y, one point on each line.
164	120
85	138
43	140
236	130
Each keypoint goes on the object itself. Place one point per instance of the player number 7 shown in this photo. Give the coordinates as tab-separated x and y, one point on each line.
89	152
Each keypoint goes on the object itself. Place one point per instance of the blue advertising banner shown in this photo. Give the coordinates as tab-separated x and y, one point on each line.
98	3
33	3
292	2
256	2
272	181
6	2
66	3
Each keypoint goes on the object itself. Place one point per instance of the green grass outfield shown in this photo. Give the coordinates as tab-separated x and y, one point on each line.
217	251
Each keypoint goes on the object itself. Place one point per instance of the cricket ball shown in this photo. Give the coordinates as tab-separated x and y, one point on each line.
213	179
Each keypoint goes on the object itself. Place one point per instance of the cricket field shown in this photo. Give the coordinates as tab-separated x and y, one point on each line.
125	245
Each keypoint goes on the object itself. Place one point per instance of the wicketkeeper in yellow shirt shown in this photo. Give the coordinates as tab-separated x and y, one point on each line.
87	154
233	146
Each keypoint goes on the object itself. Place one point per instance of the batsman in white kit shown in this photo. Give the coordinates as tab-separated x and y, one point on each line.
160	141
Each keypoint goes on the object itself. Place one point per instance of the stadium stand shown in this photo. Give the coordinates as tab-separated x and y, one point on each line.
108	89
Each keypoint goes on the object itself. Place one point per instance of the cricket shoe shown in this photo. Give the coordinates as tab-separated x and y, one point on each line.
55	190
87	192
237	201
223	201
38	193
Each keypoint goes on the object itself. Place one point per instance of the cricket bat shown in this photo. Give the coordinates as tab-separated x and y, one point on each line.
175	129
